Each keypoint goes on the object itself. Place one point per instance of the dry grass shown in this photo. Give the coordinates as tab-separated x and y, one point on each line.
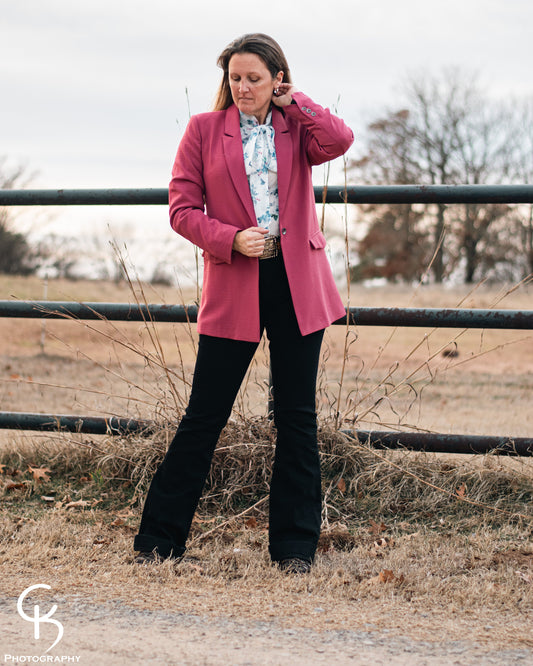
411	578
433	541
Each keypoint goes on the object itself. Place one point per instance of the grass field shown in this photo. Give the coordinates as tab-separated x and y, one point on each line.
429	544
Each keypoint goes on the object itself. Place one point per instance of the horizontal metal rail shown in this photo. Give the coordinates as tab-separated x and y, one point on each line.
94	425
391	194
408	317
412	441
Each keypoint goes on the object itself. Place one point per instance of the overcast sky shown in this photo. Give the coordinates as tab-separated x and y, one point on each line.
93	94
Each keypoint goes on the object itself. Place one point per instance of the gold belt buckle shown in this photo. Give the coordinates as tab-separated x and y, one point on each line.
272	248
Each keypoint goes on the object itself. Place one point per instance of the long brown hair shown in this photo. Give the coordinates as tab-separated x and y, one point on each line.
261	45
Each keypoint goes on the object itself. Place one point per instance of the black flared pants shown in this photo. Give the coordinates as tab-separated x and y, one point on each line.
221	364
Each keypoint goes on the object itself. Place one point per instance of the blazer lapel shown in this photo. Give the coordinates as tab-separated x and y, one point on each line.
233	154
283	141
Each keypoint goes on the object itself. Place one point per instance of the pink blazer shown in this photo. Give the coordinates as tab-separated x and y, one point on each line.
210	201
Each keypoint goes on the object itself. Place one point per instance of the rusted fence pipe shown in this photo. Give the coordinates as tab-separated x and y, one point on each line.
358	316
412	441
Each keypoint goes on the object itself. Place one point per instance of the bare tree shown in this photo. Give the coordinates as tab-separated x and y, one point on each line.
448	132
438	106
395	246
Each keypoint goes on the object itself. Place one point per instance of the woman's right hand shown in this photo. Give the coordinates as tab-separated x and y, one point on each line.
250	242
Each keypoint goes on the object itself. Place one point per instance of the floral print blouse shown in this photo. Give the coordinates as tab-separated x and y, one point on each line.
262	170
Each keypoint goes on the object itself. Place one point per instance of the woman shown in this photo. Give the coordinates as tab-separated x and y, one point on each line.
241	190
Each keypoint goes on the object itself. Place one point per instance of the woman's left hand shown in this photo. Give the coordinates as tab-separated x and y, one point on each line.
283	94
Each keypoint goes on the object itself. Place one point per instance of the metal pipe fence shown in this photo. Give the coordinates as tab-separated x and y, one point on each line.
362	194
408	317
359	316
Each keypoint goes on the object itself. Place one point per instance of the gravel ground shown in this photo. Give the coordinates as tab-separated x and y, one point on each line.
114	633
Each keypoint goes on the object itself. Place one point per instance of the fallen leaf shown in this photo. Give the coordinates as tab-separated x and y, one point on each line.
2	468
40	473
341	485
80	504
13	485
386	576
460	492
118	522
384	542
376	528
251	523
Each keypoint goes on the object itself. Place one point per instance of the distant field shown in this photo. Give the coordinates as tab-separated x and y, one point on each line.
110	368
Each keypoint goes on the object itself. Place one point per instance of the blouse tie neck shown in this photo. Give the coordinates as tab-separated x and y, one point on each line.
258	145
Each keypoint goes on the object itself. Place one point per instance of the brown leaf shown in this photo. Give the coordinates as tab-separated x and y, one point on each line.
341	485
386	576
2	468
80	504
118	522
13	485
40	473
251	523
376	528
461	490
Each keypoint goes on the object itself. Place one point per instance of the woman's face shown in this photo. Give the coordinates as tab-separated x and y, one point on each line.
251	84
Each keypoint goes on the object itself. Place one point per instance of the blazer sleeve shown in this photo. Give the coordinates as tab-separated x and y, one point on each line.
187	199
327	136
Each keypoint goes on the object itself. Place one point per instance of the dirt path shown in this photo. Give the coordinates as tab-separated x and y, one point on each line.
116	634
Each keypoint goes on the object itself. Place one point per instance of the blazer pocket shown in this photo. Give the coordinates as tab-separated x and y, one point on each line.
318	241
